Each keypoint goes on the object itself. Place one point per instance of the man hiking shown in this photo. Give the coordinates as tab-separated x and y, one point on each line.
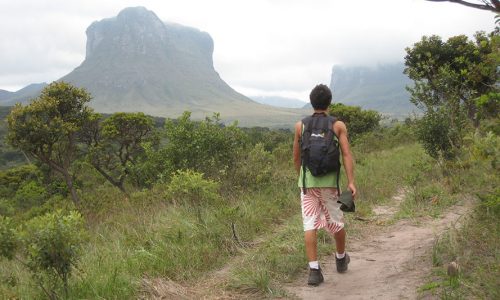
316	157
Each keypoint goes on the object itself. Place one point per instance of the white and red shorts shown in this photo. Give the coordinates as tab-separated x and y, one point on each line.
321	210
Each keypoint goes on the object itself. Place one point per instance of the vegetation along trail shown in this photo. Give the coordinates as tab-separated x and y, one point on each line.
390	264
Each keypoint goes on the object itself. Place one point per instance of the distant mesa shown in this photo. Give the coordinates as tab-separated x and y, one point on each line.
136	62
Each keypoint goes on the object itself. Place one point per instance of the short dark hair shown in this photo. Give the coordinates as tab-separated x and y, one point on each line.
321	97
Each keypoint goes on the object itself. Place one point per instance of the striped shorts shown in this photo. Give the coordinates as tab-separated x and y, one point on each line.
321	210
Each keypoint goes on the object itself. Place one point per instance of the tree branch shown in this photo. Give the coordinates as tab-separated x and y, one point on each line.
494	8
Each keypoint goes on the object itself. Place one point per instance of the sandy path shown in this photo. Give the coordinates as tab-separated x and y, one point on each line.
391	264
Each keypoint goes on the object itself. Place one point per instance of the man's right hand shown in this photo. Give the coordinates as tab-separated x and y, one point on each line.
352	187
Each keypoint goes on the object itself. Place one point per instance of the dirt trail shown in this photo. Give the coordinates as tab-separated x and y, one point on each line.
390	264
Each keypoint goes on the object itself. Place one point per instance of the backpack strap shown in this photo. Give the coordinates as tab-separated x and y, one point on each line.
305	135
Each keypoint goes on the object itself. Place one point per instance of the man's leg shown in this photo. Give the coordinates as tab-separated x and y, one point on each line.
341	258
311	245
340	241
315	275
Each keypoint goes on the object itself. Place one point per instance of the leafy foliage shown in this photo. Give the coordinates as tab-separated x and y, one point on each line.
358	121
208	147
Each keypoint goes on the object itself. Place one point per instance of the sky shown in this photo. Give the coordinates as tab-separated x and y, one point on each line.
262	47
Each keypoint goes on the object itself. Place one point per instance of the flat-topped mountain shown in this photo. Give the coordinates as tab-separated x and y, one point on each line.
136	62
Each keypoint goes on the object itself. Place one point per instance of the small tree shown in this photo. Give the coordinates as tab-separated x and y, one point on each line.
48	128
115	144
451	81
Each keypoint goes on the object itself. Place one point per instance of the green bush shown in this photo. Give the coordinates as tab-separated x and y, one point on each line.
51	247
189	187
11	179
441	135
8	239
7	207
30	194
208	147
254	168
358	121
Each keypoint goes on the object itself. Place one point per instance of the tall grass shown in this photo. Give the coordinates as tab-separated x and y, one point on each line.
476	245
165	240
379	175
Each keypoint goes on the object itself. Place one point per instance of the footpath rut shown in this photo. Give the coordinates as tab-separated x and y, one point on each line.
390	264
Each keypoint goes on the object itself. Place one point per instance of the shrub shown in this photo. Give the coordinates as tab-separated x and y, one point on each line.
441	134
189	187
208	147
8	240
51	247
30	194
254	168
13	178
358	121
7	207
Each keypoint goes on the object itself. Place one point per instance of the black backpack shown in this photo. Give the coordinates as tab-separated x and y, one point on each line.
319	150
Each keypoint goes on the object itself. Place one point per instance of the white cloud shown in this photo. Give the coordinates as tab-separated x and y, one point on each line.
270	47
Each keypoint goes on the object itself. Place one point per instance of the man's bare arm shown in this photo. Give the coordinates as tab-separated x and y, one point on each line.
347	159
